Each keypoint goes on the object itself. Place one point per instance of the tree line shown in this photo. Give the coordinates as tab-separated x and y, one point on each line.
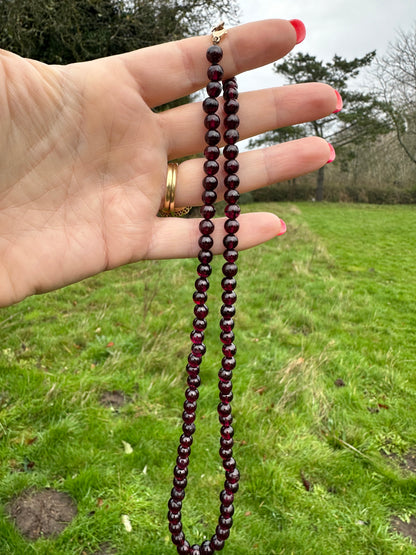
374	134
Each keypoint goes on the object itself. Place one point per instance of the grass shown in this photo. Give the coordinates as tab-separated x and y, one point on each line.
333	299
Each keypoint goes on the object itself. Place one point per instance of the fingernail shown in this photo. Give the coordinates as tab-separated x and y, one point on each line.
332	154
300	29
283	228
338	107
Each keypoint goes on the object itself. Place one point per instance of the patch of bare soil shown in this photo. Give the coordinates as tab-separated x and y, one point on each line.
407	529
114	399
407	462
43	513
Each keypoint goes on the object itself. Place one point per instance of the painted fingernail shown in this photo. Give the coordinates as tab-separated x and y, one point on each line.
283	228
300	29
338	107
332	154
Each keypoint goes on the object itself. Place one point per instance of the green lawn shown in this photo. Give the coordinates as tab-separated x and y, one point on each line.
325	395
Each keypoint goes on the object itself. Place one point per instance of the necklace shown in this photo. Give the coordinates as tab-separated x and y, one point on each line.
206	227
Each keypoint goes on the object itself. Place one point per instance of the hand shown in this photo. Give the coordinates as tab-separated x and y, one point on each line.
84	158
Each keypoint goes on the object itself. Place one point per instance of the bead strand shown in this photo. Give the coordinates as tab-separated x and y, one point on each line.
206	227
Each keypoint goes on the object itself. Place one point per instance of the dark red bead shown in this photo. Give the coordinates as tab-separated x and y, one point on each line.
210	105
227	337
227	324
201	311
216	543
193	363
207	212
231	82
225	522
212	121
215	72
230	151
224	442
231	226
230	241
184	440
232	211
184	452
227	499
229	297
177	494
225	453
228	283
223	409
230	255
175	527
229	465
211	153
188	429
214	89
231	488
204	270
206	548
200	298
231	106
222	533
225	388
231	196
225	375
199	325
184	549
226	420
226	311
189	406
232	121
226	397
231	166
205	242
210	183
180	473
209	197
229	350
231	136
188	417
193	381
180	484
174	506
197	337
230	93
232	181
206	227
227	510
229	269
214	54
211	167
175	518
201	285
227	432
228	363
198	350
191	395
232	476
182	462
195	550
205	257
213	137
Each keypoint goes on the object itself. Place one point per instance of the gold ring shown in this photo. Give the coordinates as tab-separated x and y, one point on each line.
169	204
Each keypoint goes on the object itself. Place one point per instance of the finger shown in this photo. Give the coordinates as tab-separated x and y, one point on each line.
177	238
169	71
258	168
259	111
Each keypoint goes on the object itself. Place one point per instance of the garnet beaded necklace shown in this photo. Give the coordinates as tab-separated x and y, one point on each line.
206	226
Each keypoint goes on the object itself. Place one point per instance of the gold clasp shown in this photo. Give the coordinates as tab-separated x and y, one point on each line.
218	32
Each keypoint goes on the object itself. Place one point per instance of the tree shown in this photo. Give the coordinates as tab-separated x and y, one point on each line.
65	31
396	76
360	120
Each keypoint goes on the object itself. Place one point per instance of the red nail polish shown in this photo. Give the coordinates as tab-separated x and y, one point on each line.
338	107
332	154
283	228
300	29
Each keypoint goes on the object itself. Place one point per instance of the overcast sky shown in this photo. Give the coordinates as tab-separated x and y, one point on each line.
350	28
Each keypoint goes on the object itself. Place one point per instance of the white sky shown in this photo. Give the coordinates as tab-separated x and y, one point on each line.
350	28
